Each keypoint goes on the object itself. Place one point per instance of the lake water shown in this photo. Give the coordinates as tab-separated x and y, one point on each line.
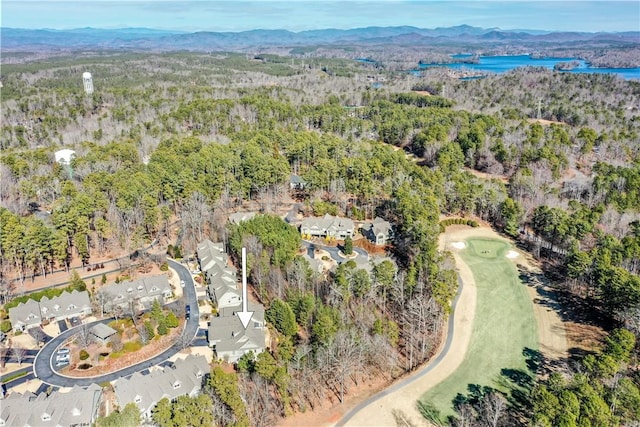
500	64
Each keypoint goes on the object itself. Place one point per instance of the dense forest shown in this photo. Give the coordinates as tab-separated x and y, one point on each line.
548	158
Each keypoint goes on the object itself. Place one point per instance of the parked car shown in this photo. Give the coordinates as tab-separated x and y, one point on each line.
62	358
182	283
60	363
187	311
63	350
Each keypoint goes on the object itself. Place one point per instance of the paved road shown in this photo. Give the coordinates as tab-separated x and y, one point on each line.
43	368
332	250
17	381
417	374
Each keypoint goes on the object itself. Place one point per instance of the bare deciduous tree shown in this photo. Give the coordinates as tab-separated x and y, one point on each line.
260	402
184	340
83	335
4	351
143	334
194	214
494	407
38	336
101	299
116	342
19	354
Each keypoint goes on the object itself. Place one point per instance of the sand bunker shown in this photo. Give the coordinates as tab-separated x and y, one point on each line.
459	245
512	254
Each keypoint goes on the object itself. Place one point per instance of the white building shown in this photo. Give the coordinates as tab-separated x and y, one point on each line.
87	80
64	156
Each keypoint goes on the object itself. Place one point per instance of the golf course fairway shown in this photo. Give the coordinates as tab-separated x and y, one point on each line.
503	330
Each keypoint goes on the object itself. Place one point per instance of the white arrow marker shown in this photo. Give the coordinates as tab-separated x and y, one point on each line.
244	315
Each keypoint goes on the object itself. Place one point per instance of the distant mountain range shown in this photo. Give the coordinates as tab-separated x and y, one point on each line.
15	39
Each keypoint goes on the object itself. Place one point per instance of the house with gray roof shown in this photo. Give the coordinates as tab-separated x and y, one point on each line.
296	182
226	335
327	226
221	277
78	407
238	217
184	377
66	305
25	315
379	231
141	292
230	340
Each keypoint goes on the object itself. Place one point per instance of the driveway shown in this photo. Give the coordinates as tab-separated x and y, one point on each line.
43	368
333	251
62	325
39	335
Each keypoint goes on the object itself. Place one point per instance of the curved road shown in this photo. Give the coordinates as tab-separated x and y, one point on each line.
417	374
43	368
332	250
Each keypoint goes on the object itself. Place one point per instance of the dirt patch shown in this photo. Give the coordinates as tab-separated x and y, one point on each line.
545	122
487	176
583	337
371	248
423	92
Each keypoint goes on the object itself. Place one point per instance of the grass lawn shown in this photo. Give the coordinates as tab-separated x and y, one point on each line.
503	328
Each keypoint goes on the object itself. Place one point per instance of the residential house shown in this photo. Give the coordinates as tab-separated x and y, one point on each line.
141	292
25	315
185	377
296	182
230	340
78	407
221	277
66	305
327	226
226	335
379	231
238	217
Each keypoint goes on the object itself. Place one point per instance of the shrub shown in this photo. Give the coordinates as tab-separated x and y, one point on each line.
84	366
171	320
5	326
150	332
457	221
164	266
84	354
132	346
162	327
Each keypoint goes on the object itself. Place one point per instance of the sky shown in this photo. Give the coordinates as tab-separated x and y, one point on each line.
299	15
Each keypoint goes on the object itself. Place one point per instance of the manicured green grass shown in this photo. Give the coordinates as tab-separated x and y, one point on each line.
503	328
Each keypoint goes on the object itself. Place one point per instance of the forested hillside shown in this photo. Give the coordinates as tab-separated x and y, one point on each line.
190	138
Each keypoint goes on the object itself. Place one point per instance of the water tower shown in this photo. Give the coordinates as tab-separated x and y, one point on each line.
88	83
